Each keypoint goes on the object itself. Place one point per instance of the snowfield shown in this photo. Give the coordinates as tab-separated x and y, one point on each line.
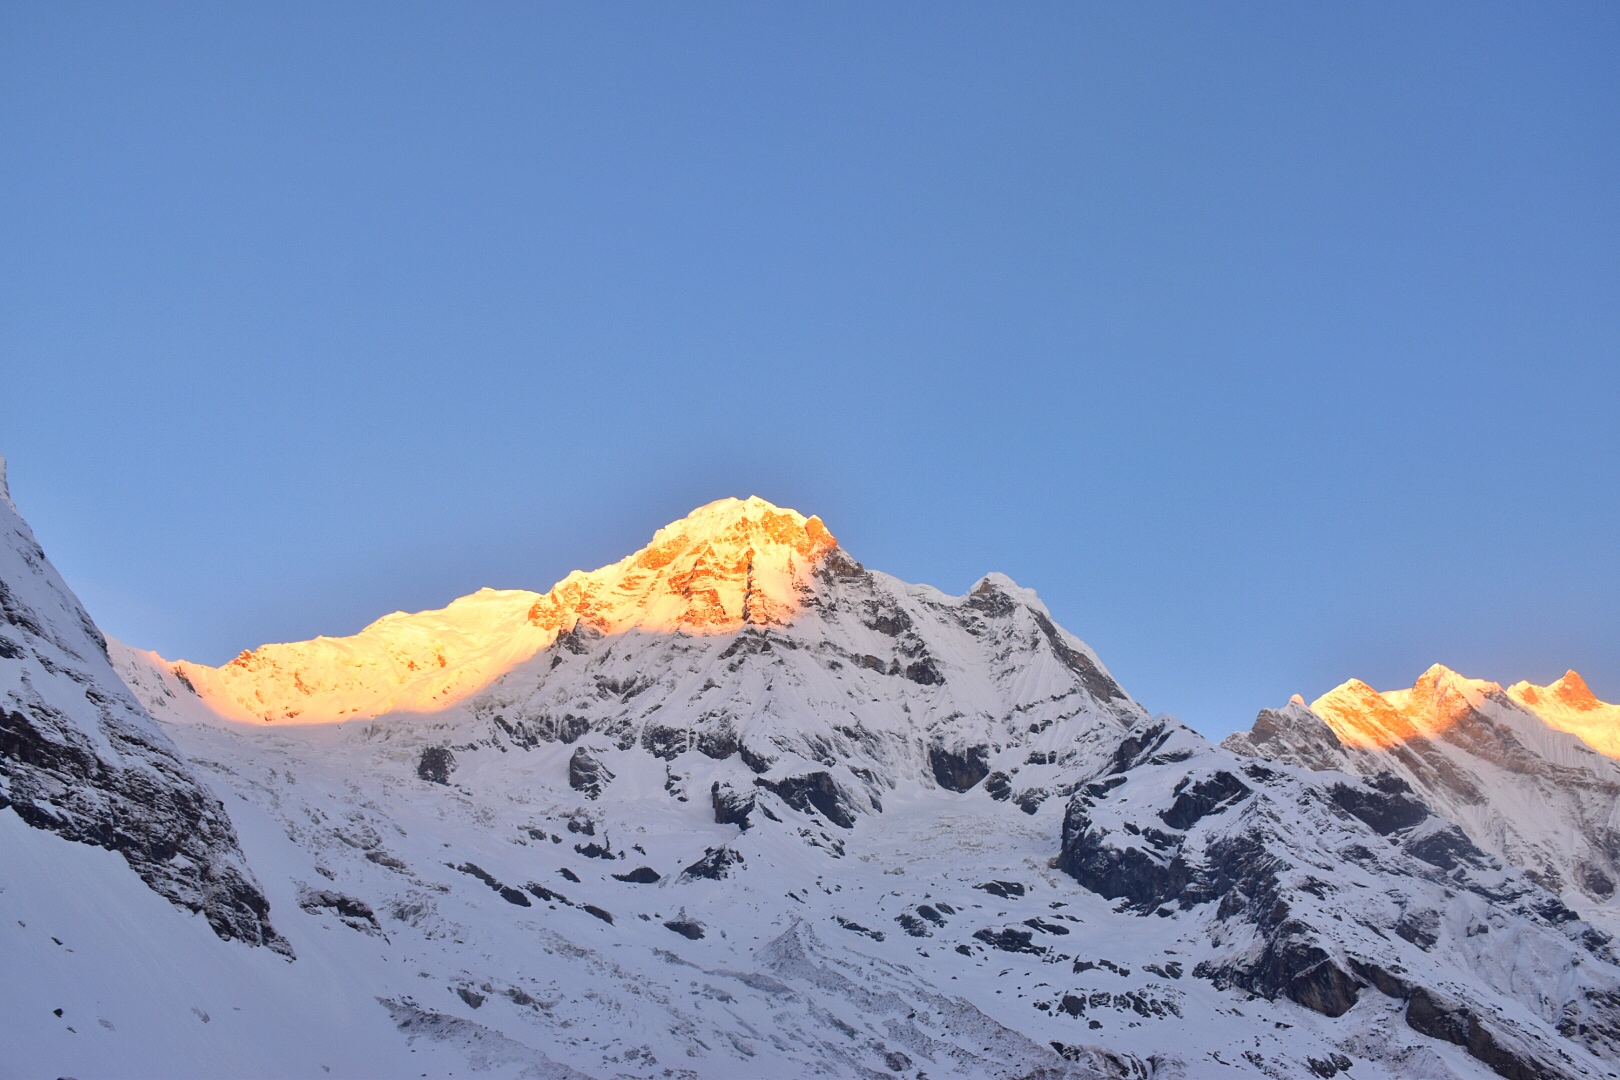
737	806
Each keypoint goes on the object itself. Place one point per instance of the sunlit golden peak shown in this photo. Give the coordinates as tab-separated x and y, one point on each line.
1440	685
1568	704
731	519
1441	698
1361	716
730	563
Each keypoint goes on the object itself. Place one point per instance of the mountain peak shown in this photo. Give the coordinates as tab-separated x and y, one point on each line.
1443	692
732	562
1570	691
1568	704
731	520
1363	717
728	564
1440	676
1441	698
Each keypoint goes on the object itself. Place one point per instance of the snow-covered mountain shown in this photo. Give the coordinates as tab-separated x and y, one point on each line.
1525	773
737	806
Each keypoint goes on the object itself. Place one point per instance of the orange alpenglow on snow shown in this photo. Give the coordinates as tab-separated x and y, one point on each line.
727	564
1569	705
1362	717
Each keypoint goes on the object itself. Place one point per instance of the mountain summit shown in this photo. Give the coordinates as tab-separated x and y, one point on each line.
1569	705
725	565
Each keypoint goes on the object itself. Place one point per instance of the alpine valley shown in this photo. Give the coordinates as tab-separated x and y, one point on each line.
739	806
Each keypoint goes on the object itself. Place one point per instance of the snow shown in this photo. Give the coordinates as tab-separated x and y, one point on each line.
1569	705
148	990
455	927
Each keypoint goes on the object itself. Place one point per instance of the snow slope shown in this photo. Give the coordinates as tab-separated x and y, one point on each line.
739	807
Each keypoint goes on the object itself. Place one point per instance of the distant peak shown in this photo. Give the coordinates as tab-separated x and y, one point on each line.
1441	698
1568	704
1349	690
1570	691
1573	688
1363	717
1439	679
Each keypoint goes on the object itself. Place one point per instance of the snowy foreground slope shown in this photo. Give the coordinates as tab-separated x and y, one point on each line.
739	807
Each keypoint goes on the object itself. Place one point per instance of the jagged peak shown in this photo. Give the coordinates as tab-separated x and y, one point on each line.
732	520
1574	686
731	562
1351	690
1367	718
1569	690
1440	697
1292	733
1440	678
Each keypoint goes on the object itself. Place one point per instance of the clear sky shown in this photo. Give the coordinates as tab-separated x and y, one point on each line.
1272	344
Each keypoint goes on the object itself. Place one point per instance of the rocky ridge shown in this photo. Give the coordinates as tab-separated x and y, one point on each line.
81	758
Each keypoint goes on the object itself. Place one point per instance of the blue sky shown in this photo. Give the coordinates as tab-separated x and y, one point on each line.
1272	344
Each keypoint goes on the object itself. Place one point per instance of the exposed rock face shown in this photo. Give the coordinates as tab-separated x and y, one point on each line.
715	864
435	764
1292	733
731	807
1439	1018
1384	803
587	774
81	758
959	770
356	914
818	792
